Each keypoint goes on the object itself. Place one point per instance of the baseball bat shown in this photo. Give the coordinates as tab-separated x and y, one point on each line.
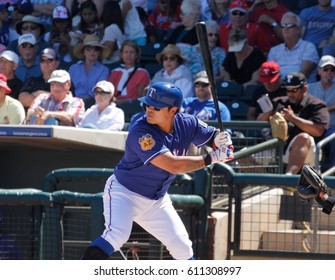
207	58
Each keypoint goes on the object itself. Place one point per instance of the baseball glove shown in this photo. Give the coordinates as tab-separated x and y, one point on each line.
279	127
310	185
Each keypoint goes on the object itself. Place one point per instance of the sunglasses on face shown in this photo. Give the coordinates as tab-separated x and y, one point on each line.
199	84
57	83
238	13
288	25
293	90
29	27
100	92
328	68
27	45
145	106
171	58
92	48
49	60
212	35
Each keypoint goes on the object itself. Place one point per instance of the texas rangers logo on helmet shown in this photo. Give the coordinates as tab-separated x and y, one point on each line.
146	142
151	91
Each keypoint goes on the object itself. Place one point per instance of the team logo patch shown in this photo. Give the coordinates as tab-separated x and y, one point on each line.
146	142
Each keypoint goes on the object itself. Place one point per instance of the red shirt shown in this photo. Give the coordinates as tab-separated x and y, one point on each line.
161	19
256	37
119	76
276	14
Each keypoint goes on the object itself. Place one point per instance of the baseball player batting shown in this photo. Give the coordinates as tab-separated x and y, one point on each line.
155	152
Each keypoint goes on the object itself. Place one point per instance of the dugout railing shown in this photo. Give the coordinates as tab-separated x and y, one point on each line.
267	220
59	222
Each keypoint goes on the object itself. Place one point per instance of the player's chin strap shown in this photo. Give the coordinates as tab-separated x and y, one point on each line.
100	249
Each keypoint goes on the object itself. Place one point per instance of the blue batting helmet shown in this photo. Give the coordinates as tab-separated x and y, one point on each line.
163	94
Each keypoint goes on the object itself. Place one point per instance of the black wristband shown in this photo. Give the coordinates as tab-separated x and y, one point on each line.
207	159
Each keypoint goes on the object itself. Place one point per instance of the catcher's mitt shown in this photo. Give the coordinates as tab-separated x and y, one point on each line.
310	185
279	127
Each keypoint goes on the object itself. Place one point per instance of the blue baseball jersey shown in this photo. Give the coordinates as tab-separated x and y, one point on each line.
204	110
146	141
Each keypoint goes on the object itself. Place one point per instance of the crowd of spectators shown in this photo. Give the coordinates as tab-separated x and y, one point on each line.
76	62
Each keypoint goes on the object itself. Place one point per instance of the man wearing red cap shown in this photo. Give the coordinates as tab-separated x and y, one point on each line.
239	15
270	85
11	110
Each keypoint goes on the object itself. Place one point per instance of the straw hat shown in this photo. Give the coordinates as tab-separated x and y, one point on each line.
90	40
170	49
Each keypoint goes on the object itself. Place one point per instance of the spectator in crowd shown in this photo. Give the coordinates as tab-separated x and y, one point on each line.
270	83
242	63
104	114
89	70
192	54
324	89
318	23
239	20
295	54
34	86
30	25
202	105
268	18
29	65
89	21
74	7
129	79
43	10
217	10
114	36
133	26
153	34
186	33
18	11
307	118
166	15
174	71
11	110
4	25
9	61
59	35
57	107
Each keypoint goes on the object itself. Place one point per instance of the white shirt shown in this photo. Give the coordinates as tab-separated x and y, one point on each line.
132	24
112	118
114	34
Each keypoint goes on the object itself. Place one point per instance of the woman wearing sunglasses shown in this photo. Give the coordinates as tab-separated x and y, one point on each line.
174	71
103	114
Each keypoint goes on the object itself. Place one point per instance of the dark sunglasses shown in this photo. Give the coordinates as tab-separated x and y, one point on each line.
294	90
238	13
145	106
48	60
288	25
96	92
29	27
203	85
92	48
171	58
212	35
328	68
27	45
